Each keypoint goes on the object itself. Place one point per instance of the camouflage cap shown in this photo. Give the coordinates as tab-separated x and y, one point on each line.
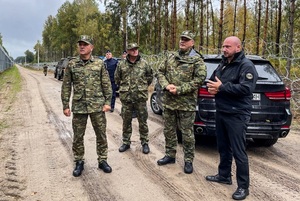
85	38
132	45
188	34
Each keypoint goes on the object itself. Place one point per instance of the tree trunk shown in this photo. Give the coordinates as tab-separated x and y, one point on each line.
290	53
151	27
124	11
213	26
174	25
258	27
201	25
207	26
220	40
265	28
166	25
245	22
194	17
234	18
278	27
187	14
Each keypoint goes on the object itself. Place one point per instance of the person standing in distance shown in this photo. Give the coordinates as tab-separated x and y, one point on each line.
89	79
232	83
111	65
181	76
124	54
133	76
45	69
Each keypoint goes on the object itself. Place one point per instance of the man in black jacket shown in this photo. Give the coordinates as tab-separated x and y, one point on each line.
232	83
111	65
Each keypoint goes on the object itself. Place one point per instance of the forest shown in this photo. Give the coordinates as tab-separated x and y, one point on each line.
269	28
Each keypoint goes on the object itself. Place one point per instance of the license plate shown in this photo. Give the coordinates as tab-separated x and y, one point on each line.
256	97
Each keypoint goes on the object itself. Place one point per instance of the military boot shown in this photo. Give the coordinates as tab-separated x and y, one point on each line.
78	168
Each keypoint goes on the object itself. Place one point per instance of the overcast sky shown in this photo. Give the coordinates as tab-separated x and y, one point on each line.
22	23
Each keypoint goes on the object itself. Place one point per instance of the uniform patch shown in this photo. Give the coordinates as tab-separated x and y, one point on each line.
249	76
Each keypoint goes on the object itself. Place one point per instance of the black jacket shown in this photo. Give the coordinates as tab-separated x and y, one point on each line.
111	65
238	82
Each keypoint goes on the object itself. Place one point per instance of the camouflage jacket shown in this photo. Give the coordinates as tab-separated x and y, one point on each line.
187	71
91	86
133	80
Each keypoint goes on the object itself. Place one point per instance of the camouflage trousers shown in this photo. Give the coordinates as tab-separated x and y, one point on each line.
79	122
184	121
142	116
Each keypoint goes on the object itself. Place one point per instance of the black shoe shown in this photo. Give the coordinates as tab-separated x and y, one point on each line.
146	149
240	194
78	168
124	147
105	167
112	110
188	167
165	160
219	179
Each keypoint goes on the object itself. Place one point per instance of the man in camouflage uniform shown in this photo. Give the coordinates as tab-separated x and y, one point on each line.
91	97
181	76
45	69
133	76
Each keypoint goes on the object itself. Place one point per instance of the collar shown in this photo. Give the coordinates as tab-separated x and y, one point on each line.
236	58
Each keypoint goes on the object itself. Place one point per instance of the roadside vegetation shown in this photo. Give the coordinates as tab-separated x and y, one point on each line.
10	85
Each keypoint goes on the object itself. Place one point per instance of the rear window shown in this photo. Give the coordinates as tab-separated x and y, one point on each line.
210	67
265	71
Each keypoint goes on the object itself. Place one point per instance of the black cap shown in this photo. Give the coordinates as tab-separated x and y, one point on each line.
108	51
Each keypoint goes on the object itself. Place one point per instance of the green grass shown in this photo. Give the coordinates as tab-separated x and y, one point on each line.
10	80
10	85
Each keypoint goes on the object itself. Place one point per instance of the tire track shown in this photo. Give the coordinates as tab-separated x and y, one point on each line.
149	168
95	186
275	181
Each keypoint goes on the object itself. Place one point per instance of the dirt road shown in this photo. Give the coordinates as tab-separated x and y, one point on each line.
37	163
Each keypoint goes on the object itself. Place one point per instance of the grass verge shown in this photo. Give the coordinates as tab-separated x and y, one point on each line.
10	85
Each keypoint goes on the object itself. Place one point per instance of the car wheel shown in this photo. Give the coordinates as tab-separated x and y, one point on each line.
265	142
154	105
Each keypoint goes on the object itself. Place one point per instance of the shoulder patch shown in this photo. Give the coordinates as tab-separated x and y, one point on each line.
249	76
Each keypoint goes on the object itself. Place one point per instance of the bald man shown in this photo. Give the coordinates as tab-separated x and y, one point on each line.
232	83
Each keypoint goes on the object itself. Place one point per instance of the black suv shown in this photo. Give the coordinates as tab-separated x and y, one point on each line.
271	116
60	68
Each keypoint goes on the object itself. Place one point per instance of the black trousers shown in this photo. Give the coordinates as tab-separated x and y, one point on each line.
231	142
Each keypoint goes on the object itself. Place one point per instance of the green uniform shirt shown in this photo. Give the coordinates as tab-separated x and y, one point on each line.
133	80
187	71
91	86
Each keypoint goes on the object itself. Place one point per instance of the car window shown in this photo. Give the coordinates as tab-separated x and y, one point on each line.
210	67
266	72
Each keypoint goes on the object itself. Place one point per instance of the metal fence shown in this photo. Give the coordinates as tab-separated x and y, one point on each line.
5	61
